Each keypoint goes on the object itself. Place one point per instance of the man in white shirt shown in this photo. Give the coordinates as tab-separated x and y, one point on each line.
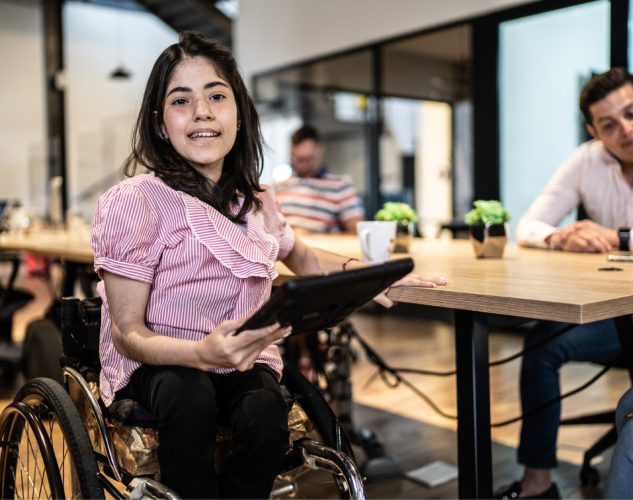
598	175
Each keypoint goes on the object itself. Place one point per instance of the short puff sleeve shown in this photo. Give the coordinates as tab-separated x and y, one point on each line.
125	234
276	222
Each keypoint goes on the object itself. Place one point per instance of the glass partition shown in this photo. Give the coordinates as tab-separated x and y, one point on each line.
427	139
433	66
417	109
330	94
544	61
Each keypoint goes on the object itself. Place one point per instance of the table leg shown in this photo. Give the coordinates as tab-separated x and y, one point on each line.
474	454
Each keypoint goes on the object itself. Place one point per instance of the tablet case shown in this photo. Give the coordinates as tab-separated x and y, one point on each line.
312	303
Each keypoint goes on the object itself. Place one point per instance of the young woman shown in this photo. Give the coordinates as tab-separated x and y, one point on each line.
186	252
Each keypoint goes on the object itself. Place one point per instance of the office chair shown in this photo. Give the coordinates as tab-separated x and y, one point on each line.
589	475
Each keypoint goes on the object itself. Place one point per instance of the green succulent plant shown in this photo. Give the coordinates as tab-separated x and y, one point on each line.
396	211
487	212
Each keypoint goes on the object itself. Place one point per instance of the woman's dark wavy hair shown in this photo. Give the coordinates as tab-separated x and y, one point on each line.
242	165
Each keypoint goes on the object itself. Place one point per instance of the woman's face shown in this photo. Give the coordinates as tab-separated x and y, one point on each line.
200	116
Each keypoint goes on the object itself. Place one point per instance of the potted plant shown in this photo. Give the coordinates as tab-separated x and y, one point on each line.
488	234
405	217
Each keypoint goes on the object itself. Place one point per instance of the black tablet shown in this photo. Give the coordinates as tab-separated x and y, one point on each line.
312	303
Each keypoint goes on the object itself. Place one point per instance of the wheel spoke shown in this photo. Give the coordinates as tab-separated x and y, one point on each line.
28	476
21	481
74	467
35	454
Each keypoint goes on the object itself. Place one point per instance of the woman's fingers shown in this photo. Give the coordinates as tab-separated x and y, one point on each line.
241	350
410	280
416	280
262	338
383	300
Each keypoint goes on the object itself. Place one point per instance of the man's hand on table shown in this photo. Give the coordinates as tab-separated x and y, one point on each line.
584	236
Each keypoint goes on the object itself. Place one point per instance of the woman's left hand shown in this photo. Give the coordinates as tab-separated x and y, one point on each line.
411	280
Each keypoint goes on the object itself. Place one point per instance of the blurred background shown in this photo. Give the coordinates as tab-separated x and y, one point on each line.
434	103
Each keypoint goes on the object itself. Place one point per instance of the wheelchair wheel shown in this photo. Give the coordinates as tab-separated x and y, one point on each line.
313	472
46	450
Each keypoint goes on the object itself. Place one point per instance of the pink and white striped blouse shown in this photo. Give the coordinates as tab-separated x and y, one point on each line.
203	268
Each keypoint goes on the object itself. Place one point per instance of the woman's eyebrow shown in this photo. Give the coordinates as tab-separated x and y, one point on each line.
215	84
207	86
179	89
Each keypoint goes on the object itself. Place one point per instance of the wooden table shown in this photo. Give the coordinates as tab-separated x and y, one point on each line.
527	283
72	247
65	245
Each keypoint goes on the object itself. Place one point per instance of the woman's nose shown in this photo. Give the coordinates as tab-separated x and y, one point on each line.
203	110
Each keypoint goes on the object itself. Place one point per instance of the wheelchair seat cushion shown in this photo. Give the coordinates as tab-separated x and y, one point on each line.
130	412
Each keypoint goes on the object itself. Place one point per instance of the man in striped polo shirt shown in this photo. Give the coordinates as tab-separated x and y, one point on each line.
313	200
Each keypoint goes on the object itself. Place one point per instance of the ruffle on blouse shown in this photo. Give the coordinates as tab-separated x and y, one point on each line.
246	255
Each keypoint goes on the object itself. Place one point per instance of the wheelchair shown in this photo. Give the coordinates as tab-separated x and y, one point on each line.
62	442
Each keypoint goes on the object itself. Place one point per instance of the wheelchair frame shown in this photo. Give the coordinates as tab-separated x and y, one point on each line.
79	414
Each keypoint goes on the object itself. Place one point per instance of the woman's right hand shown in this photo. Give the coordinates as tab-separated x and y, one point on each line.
224	348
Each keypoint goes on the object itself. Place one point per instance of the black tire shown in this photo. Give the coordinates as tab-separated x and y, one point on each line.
41	351
47	448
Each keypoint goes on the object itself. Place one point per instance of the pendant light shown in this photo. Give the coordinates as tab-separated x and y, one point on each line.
120	72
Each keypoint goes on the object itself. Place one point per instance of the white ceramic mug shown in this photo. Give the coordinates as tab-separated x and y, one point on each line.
376	239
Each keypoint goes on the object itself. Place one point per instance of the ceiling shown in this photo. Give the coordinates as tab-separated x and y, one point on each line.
204	16
194	15
450	44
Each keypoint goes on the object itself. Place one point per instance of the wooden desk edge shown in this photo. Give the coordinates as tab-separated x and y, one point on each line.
521	308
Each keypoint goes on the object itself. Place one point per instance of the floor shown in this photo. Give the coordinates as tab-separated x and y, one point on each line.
403	342
412	433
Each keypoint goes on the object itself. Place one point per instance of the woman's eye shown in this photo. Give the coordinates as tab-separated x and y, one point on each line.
179	102
217	97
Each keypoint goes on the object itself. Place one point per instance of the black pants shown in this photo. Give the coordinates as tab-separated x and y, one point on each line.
190	404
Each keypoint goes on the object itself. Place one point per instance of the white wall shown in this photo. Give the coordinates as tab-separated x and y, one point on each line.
272	33
100	111
22	115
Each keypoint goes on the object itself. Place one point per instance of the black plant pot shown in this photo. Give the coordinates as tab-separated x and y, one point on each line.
488	240
405	231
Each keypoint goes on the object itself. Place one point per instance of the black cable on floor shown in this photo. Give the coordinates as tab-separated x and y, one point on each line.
557	333
553	401
378	361
392	378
